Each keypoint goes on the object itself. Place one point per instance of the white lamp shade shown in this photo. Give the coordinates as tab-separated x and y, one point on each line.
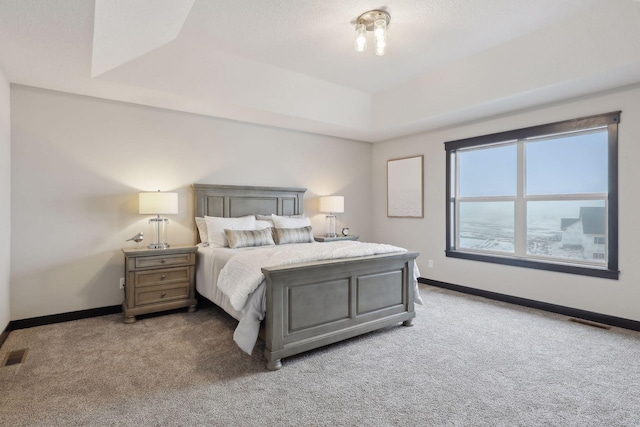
158	203
333	204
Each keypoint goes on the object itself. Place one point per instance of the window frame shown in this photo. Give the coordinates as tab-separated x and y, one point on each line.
609	121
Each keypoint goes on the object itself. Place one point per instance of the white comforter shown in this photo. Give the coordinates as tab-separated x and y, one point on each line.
242	274
242	280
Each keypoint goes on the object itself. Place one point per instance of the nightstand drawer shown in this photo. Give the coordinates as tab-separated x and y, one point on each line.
162	277
164	260
161	294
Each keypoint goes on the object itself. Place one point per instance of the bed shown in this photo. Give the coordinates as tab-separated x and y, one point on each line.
311	304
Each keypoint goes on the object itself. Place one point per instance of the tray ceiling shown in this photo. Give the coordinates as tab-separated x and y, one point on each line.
291	63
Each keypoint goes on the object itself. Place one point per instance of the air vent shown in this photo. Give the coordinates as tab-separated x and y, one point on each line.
588	323
15	357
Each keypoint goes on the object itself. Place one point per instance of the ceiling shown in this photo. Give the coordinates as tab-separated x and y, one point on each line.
291	63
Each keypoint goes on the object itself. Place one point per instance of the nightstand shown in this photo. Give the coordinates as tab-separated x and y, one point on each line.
158	279
335	239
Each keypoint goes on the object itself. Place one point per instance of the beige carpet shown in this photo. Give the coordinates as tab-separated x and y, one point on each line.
466	362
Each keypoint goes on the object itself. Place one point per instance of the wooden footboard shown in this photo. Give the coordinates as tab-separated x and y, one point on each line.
315	304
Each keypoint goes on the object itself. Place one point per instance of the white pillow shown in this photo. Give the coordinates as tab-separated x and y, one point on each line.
202	230
216	226
262	224
288	222
268	217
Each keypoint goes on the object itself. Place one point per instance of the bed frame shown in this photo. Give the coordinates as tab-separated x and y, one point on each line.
314	304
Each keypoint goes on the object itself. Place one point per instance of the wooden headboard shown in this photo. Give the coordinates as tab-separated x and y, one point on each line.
231	201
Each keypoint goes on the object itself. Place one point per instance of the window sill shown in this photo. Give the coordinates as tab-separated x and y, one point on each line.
538	265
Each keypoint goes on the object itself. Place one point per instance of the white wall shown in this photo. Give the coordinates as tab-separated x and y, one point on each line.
5	201
616	298
79	163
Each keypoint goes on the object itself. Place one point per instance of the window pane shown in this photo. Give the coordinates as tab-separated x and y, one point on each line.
568	164
487	226
489	171
571	230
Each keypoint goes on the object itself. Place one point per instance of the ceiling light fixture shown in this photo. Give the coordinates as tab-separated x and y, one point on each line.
376	21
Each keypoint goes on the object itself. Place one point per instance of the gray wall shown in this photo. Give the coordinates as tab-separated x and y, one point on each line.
616	298
79	163
5	201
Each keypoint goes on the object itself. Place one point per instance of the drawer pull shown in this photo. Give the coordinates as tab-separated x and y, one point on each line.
164	276
164	294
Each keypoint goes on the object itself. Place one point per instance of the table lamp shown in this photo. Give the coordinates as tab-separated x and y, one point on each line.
156	204
331	205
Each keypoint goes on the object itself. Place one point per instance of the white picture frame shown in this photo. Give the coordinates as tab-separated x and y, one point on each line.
405	192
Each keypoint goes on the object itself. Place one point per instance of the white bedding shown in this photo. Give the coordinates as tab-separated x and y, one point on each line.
242	274
234	276
210	262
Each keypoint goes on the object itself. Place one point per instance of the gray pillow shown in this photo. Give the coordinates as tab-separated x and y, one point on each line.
293	235
247	238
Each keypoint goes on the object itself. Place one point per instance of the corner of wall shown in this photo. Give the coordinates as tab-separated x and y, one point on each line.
5	208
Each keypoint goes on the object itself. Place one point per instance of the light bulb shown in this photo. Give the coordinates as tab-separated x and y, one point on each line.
361	37
380	35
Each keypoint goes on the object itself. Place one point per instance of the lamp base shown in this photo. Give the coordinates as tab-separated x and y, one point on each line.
331	226
158	246
158	233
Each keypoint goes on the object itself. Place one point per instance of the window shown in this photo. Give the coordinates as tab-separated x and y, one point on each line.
540	197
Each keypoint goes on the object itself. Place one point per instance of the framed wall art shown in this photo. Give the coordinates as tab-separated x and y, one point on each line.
405	195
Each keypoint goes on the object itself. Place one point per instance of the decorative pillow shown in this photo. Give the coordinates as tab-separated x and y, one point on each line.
217	225
202	230
246	238
288	222
285	236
